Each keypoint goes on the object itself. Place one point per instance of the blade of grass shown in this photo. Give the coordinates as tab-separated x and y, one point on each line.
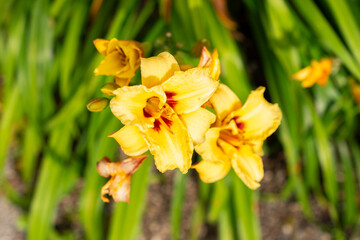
177	201
347	25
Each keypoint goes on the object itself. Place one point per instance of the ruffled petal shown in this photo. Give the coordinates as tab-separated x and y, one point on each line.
212	171
129	103
257	118
170	143
187	91
248	166
101	45
131	140
197	123
155	70
224	101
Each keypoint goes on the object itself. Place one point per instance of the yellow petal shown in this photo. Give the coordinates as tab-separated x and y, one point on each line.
216	163
197	123
214	66
155	70
257	117
170	143
129	103
122	81
131	140
212	171
209	149
187	91
224	101
101	45
248	166
112	65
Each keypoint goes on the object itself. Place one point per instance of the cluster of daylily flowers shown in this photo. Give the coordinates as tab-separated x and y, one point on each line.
168	114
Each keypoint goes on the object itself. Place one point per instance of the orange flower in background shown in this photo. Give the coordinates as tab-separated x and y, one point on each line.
317	72
120	177
237	137
355	90
122	59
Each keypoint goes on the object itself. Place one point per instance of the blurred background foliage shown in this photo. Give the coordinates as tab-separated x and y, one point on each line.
52	142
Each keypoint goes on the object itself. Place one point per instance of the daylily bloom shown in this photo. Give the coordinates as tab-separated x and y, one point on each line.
210	61
122	59
317	72
237	136
164	114
120	177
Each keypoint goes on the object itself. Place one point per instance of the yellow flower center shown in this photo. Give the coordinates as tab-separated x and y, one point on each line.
162	115
152	108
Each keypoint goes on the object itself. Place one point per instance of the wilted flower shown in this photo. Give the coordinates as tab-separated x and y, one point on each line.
120	177
122	59
236	138
317	72
164	114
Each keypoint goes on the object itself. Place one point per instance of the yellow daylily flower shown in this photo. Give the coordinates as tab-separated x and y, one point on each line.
120	177
122	59
237	136
164	114
317	72
210	61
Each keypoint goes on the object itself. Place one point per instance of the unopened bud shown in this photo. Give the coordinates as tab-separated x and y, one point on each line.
198	47
97	104
108	88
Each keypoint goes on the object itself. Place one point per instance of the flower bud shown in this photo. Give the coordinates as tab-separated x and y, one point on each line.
108	88
97	104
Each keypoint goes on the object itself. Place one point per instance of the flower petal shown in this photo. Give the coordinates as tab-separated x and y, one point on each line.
112	65
216	163
302	74
248	166
131	140
187	91
212	171
170	143
129	103
119	188
209	149
155	70
197	123
101	45
120	172
130	165
257	118
224	101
